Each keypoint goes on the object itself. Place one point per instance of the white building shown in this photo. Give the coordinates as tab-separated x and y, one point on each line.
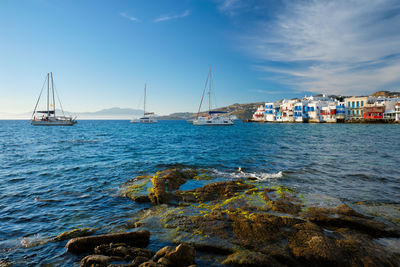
287	110
299	111
259	114
327	111
397	110
389	103
270	110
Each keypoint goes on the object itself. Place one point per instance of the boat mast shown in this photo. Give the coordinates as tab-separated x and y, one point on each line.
144	104
48	94
54	100
209	91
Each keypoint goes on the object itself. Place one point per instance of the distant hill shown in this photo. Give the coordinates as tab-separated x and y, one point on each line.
241	111
386	94
110	113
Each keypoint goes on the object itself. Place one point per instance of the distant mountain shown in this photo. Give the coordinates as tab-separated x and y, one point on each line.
110	113
241	111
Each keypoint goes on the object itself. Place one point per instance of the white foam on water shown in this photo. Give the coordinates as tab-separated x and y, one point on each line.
261	176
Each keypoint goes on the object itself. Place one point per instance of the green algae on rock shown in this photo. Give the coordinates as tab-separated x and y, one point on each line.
255	224
74	233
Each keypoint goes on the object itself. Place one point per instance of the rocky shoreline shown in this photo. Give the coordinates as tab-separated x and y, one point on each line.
236	223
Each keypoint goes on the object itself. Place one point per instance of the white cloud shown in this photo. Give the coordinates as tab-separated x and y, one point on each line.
333	46
169	17
131	18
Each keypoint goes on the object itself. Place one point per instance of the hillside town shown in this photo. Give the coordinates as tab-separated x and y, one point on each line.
378	107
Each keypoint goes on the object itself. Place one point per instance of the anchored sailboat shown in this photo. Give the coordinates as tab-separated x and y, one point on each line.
48	117
214	118
147	116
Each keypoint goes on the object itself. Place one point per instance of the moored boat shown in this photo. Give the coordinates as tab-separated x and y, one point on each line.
212	118
147	116
48	117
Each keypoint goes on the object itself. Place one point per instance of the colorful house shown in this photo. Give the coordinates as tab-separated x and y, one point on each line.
259	114
355	106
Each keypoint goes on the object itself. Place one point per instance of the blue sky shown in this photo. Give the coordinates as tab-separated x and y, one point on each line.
102	52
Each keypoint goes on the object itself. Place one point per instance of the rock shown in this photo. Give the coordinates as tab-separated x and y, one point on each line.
124	251
162	252
345	217
150	264
183	255
87	244
214	191
250	258
139	260
74	233
259	226
309	244
141	199
164	261
164	183
95	261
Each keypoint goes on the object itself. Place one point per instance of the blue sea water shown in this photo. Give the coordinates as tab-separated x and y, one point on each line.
54	179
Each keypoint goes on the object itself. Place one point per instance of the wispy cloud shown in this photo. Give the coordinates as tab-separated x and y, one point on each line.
170	17
333	46
129	17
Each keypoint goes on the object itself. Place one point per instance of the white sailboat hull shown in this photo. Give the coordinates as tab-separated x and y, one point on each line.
144	120
54	122
213	121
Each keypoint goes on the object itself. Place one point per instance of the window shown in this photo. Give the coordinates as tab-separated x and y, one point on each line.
362	103
358	112
354	112
352	104
348	103
348	112
358	104
362	112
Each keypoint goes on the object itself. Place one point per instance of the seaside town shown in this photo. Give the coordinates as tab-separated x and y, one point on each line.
381	107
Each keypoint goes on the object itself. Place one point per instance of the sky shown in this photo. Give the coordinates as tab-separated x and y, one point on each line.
102	52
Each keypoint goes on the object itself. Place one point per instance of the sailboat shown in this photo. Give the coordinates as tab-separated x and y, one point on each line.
147	116
213	118
48	117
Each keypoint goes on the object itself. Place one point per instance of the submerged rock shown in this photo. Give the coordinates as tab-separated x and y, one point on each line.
165	183
87	244
74	233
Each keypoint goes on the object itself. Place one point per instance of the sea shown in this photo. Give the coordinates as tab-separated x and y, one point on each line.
55	179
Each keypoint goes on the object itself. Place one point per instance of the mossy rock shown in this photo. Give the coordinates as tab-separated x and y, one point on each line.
74	233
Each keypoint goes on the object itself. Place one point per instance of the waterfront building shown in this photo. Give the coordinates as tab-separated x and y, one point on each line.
340	111
259	114
374	112
389	103
299	111
328	111
355	106
270	111
313	111
397	110
287	110
321	108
